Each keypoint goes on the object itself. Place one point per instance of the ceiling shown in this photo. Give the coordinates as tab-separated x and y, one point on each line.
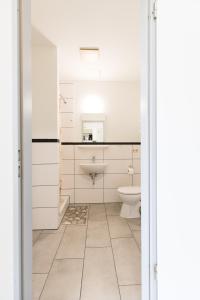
110	25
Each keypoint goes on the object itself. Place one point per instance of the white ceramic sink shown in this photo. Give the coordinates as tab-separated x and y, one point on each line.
93	168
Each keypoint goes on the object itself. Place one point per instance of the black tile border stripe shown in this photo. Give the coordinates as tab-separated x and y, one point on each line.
45	140
102	143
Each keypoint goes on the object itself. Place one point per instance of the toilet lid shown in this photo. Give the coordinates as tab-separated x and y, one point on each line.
129	190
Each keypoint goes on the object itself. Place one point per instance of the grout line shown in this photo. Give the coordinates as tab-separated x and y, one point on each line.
45	207
137	242
132	231
100	247
53	261
84	253
45	164
113	255
39	273
122	237
37	185
104	183
74	175
70	258
135	284
105	173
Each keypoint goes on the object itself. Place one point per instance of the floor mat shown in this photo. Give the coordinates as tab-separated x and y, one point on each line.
76	215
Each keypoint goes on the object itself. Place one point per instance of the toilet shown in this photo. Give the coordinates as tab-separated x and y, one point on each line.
131	197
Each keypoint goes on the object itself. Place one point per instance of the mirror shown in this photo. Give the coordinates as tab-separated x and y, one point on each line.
93	131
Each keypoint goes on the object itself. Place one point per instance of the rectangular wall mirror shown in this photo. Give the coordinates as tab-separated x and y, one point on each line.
93	131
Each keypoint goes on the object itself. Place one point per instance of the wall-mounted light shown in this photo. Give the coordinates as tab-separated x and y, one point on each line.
90	55
92	104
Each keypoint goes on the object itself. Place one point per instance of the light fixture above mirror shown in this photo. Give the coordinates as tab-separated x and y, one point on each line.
90	55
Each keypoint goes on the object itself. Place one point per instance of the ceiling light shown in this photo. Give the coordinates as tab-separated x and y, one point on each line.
90	55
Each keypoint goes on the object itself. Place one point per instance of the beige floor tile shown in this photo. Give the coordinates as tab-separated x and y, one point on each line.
44	251
73	242
137	236
38	281
97	212
118	227
135	224
97	234
99	277
64	280
130	292
113	209
127	261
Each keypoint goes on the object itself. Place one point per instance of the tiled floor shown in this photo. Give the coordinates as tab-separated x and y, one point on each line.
99	260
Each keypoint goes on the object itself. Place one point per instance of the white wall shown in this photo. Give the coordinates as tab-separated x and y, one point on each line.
178	149
78	185
45	92
118	100
8	151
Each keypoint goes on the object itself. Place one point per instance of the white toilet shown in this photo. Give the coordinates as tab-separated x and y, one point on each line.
130	196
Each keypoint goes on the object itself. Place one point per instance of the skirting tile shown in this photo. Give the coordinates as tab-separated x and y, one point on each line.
45	196
88	195
45	218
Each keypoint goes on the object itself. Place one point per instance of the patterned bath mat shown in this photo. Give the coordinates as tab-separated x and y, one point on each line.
76	215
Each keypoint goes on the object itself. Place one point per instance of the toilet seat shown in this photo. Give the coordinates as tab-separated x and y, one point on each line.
129	190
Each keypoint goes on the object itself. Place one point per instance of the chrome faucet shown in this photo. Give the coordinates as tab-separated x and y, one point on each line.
93	159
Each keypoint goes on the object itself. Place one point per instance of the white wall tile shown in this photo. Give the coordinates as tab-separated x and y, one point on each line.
89	195
67	90
45	218
118	152
66	120
44	153
67	166
68	106
84	181
136	149
88	153
67	182
82	190
137	179
45	174
111	195
118	166
136	166
117	180
45	196
67	134
78	169
67	152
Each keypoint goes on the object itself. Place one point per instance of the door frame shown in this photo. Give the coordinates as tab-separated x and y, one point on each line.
148	153
148	44
26	147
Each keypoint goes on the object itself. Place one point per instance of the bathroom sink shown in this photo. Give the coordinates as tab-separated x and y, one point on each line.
93	168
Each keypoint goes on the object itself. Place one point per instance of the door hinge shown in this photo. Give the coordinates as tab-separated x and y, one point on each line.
19	163
154	10
155	269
